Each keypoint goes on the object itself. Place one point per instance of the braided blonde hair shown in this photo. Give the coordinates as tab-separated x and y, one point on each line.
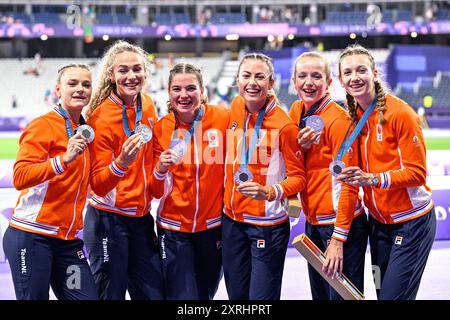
185	68
380	90
105	85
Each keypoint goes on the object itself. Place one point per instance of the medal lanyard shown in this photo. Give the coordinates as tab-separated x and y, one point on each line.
310	112
348	141
126	126
192	127
246	154
68	124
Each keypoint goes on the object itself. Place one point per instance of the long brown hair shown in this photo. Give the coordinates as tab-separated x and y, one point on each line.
380	90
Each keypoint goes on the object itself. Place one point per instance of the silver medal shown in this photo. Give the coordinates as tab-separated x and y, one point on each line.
243	175
315	123
144	132
87	132
336	167
179	146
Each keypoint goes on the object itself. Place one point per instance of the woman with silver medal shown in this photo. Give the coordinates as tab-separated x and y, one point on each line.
392	173
262	170
335	220
52	171
119	229
189	146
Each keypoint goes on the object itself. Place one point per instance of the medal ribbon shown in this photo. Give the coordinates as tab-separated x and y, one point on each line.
68	122
246	154
348	141
194	125
310	112
125	125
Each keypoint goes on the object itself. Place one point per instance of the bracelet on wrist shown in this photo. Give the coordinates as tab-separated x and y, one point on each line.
271	194
374	180
159	169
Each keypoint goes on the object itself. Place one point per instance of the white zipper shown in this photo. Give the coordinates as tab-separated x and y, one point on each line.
368	170
76	198
196	182
234	165
145	179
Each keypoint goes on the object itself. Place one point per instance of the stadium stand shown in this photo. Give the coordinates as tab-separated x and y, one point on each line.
32	91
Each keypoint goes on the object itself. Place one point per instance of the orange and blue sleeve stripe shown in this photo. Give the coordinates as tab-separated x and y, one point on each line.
340	234
57	165
385	180
116	169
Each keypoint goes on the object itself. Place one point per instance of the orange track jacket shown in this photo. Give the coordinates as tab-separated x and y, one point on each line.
115	189
396	152
53	195
276	161
326	201
192	191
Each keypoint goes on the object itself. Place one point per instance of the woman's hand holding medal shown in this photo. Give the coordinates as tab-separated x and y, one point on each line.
167	158
130	149
76	146
306	137
313	126
253	190
355	176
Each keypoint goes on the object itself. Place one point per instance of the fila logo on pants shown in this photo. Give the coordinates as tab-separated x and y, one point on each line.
260	243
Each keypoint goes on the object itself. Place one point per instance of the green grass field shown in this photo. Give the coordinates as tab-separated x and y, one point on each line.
9	146
438	143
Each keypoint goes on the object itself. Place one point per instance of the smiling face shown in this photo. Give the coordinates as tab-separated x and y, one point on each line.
357	75
254	81
185	95
311	80
74	89
128	74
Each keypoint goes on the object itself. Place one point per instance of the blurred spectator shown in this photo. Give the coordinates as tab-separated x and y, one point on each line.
274	43
151	58
423	118
8	19
47	98
266	14
14	101
171	60
32	71
288	16
55	97
50	98
431	11
38	60
205	16
36	68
